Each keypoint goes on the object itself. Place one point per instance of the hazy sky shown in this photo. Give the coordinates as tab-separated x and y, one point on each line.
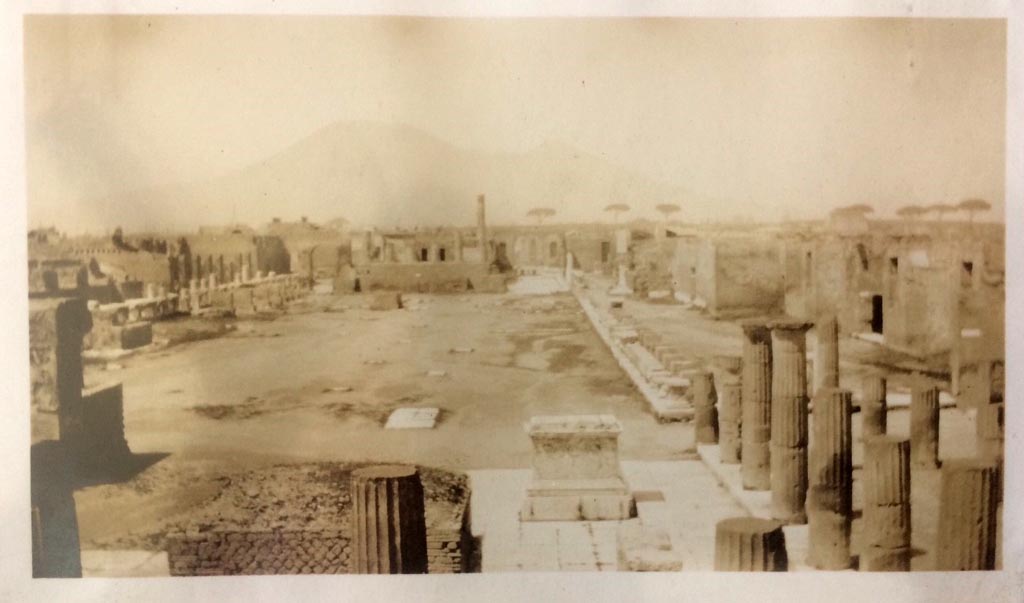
804	115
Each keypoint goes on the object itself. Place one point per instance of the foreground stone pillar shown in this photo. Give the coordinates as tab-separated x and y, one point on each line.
826	353
967	516
389	534
245	273
750	544
886	520
756	406
730	421
789	420
924	427
830	497
873	407
705	415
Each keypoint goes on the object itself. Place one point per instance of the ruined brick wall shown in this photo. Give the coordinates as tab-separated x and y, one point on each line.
683	266
450	546
740	275
103	426
56	330
221	553
424	277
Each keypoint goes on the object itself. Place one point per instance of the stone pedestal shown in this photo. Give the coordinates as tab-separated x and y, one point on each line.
830	498
924	427
621	288
730	420
576	473
789	420
750	544
886	519
967	516
826	353
756	406
388	526
705	415
873	407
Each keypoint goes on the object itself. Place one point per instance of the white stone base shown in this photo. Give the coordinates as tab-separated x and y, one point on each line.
578	500
412	418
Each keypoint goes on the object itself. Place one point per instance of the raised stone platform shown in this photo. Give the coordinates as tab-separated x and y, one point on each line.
576	470
412	418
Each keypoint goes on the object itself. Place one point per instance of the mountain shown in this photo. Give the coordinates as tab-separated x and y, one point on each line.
379	174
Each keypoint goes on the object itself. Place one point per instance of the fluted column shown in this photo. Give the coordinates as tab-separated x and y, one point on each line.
755	399
967	516
830	497
924	427
388	525
826	353
886	518
729	420
750	544
873	407
789	420
702	385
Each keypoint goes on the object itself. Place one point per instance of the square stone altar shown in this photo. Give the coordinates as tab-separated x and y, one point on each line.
576	473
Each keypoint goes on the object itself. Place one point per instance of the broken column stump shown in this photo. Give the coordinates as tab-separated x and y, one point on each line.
576	472
967	516
705	414
886	519
789	420
830	497
750	544
730	420
389	534
826	353
755	400
873	408
924	427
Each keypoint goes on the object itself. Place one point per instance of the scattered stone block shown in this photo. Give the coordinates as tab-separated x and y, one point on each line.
645	549
412	418
386	300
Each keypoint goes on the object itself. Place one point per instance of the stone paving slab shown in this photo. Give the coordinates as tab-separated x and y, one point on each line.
693	503
412	418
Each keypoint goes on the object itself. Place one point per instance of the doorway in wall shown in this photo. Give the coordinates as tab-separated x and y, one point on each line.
877	319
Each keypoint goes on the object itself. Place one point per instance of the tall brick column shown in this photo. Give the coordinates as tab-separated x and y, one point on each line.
886	520
730	420
873	408
388	526
750	544
967	516
756	406
705	415
924	427
789	420
830	497
826	353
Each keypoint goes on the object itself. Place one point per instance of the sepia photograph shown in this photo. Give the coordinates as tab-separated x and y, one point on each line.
390	294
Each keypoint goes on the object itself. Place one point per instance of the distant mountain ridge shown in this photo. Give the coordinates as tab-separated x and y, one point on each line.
381	174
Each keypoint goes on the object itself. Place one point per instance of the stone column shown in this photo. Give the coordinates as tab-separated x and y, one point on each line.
388	526
830	497
924	427
705	415
457	246
967	516
481	229
245	273
826	353
873	407
730	422
990	421
885	525
789	420
222	274
212	281
150	290
193	296
750	544
756	406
